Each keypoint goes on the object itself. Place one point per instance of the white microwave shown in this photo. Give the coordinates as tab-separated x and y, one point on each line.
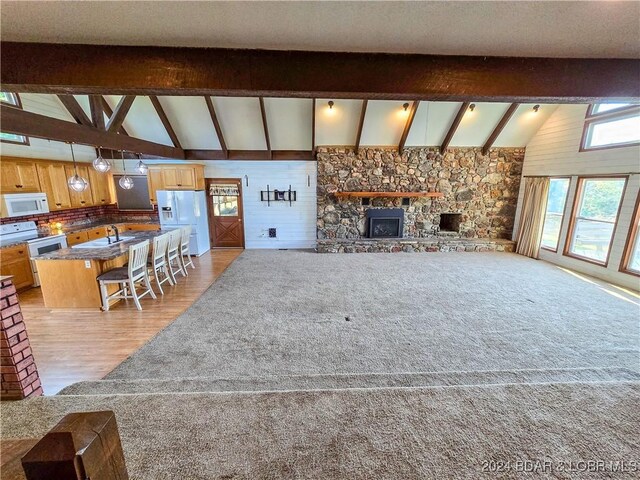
21	204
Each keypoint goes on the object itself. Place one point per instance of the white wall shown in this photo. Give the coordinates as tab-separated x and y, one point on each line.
296	224
554	151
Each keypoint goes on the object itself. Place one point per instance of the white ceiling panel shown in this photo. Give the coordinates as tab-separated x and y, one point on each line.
523	125
45	104
384	122
142	120
241	122
337	125
431	123
477	125
191	120
289	123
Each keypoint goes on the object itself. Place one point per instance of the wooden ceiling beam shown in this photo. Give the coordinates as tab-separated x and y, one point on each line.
107	109
97	114
454	127
144	70
216	125
263	112
165	121
407	125
363	112
306	155
501	124
118	115
75	110
22	122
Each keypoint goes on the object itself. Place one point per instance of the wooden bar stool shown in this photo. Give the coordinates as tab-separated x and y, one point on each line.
127	277
173	255
158	263
185	252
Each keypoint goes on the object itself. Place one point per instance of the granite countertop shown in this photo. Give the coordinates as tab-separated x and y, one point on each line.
106	253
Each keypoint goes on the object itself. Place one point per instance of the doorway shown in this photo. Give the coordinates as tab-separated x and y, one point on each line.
225	212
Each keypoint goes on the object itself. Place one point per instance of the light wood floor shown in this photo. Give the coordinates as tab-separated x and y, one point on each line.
80	344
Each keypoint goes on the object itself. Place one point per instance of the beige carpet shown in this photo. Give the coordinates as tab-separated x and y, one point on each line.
423	433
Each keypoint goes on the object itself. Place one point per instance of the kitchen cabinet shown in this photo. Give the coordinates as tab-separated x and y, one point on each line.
18	176
84	198
77	237
137	227
182	177
15	261
154	179
53	182
99	183
95	233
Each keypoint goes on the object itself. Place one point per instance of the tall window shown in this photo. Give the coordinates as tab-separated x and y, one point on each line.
611	125
594	218
556	200
12	99
631	258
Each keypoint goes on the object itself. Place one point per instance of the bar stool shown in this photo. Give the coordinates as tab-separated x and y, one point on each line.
158	263
184	248
127	277
173	255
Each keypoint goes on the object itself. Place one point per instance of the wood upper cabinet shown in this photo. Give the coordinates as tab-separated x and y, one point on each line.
183	177
53	182
15	261
80	199
18	177
100	188
154	179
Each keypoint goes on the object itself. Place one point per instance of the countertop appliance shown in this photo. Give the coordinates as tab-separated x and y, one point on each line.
20	204
38	243
188	207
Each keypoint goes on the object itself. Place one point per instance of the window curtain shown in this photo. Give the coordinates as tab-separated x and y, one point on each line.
534	207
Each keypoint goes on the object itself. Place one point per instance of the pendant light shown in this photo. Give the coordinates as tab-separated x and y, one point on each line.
76	182
100	164
126	182
141	167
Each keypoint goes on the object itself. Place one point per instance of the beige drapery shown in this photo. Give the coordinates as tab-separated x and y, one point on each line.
534	207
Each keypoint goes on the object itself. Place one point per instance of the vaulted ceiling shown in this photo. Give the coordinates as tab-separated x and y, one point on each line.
288	124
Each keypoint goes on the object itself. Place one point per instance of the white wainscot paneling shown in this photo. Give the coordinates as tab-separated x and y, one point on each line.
295	224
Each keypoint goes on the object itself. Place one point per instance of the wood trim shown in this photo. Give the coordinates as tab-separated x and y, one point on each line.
313	128
19	105
146	70
629	244
109	112
501	124
363	112
165	121
40	126
615	111
566	198
263	113
576	201
208	182
26	141
75	110
454	126
407	126
118	115
604	118
216	125
97	114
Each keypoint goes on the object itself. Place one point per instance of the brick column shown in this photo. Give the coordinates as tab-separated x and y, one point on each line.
18	368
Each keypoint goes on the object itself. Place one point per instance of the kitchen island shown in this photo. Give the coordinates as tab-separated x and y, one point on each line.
68	277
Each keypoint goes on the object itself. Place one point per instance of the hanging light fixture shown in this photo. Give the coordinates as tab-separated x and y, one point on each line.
126	182
100	164
76	182
141	167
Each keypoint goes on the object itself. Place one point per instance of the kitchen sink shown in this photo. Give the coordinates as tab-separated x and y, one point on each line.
102	243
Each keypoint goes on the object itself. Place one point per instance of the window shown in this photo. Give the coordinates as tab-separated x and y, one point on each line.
12	99
595	214
611	125
631	259
556	200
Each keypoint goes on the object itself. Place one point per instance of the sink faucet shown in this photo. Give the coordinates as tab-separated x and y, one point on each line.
115	229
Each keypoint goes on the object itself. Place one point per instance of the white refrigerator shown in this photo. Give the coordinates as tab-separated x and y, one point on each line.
180	208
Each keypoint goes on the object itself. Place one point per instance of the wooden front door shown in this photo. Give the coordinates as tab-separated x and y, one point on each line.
225	212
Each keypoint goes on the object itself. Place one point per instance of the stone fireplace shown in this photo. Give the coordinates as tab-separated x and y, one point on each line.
478	202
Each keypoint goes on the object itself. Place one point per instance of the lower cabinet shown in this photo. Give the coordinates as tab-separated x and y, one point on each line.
76	238
133	227
15	261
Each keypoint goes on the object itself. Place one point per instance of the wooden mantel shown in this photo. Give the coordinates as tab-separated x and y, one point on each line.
389	194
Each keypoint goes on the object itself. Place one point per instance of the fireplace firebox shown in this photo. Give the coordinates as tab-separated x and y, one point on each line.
385	222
